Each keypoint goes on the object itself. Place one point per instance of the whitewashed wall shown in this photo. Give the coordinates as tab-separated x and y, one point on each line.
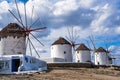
82	56
101	58
63	51
12	46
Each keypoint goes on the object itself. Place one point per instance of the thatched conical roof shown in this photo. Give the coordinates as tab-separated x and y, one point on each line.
82	47
100	49
12	29
61	40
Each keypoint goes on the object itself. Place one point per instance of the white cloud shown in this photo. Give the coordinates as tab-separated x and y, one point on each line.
4	6
114	50
117	30
86	3
77	32
98	23
101	16
5	16
40	6
112	47
56	33
64	7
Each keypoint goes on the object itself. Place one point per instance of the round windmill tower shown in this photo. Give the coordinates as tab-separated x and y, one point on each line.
12	40
82	54
16	39
61	48
101	56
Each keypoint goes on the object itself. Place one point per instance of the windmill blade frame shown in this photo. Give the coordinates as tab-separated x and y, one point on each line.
19	13
16	18
91	39
25	14
34	22
34	47
72	38
37	39
30	49
32	13
69	34
27	29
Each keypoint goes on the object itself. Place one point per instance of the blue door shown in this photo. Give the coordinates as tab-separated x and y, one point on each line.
15	64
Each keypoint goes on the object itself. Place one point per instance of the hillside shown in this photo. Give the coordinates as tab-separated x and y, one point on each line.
69	74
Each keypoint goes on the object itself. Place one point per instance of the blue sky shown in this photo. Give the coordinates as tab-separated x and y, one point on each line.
100	18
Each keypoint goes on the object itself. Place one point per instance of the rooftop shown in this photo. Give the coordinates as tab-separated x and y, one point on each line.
82	47
12	29
61	40
100	49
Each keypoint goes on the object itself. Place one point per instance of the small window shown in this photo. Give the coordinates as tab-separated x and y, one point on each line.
64	52
52	47
26	59
4	65
1	65
33	61
19	53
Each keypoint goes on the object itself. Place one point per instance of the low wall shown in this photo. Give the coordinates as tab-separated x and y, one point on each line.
80	65
75	65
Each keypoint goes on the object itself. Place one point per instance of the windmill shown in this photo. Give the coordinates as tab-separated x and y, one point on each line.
28	30
111	58
72	38
100	54
91	38
107	57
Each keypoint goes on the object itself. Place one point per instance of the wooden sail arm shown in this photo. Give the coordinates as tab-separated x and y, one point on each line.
36	29
77	44
73	44
28	31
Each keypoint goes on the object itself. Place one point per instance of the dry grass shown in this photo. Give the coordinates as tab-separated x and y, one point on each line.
68	74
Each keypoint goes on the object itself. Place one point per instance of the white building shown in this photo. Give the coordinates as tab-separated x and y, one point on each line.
61	50
12	40
82	54
15	64
101	57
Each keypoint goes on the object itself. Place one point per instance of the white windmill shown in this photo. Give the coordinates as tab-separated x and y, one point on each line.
14	42
62	50
101	55
27	30
83	54
111	58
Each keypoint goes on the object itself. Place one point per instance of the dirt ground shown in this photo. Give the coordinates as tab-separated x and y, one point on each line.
68	74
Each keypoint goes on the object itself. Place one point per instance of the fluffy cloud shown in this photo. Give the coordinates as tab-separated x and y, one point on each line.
86	3
118	30
64	7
